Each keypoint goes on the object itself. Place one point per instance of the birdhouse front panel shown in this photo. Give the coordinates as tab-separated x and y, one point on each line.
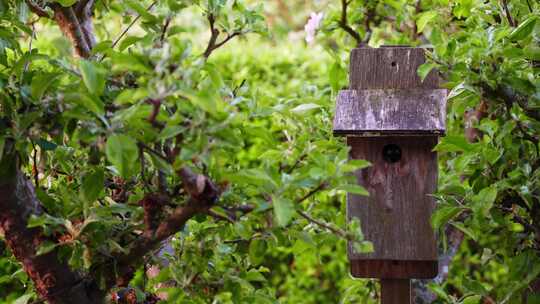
396	215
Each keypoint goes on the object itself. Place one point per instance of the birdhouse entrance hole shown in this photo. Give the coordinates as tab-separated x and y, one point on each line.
391	153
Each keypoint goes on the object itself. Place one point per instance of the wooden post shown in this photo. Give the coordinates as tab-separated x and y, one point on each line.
396	291
393	119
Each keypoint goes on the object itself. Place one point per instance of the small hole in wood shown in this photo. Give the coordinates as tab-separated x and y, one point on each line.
391	153
393	63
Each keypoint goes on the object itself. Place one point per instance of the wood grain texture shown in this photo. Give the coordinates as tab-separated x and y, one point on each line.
396	215
389	68
395	291
394	269
384	112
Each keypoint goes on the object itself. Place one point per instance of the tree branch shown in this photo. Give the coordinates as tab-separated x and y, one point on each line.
214	34
511	21
509	96
230	213
312	192
69	24
36	9
339	232
203	194
221	217
126	30
84	5
164	29
84	11
335	230
344	24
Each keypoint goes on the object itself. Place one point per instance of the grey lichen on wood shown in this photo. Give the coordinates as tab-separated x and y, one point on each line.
390	112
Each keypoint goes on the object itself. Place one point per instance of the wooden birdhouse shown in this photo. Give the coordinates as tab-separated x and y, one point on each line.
393	119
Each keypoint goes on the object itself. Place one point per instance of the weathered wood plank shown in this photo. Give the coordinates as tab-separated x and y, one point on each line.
389	68
396	216
394	269
395	291
372	112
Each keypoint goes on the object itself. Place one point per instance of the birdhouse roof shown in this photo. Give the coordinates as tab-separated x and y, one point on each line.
382	112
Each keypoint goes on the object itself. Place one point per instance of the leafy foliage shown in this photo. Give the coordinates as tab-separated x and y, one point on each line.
97	135
160	93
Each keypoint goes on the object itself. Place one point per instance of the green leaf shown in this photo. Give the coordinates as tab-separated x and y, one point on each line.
122	152
283	210
257	249
523	30
483	201
460	91
141	10
424	70
336	75
46	145
92	103
171	131
46	247
92	185
23	299
45	220
305	108
354	189
467	231
254	276
66	3
102	47
87	258
93	78
128	41
253	176
532	52
444	214
472	300
40	84
456	143
363	247
424	19
532	274
129	62
205	100
354	165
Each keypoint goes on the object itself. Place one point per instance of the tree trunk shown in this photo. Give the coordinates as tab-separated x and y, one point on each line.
53	279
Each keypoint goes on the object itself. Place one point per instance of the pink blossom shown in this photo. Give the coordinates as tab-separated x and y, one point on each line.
312	25
152	272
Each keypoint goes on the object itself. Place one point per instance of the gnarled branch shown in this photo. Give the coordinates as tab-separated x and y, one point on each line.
203	194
